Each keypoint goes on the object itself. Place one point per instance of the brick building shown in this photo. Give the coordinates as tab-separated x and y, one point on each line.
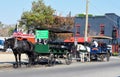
108	25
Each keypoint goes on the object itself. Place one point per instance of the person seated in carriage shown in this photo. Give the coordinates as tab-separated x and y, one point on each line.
104	46
41	41
94	43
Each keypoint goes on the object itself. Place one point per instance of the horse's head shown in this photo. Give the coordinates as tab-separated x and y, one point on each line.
9	43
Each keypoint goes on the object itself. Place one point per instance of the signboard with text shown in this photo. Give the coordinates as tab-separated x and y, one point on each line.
42	34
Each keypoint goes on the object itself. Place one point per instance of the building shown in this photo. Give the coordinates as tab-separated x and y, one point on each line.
108	25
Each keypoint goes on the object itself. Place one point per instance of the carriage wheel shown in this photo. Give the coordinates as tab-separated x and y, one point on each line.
68	59
51	59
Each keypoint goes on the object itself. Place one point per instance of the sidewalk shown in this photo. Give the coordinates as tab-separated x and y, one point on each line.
7	59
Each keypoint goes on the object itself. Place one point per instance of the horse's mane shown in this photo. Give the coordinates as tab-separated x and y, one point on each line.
8	39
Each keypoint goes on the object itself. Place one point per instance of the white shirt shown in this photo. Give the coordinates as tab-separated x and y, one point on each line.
95	43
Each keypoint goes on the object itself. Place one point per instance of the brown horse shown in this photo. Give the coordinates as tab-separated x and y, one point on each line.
19	47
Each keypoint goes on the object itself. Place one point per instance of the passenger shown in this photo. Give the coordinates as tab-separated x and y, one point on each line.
45	42
95	44
42	41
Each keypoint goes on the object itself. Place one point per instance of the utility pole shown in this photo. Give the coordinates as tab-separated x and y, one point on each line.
86	23
86	28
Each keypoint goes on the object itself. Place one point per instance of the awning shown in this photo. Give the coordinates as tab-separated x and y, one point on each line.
23	35
100	37
79	39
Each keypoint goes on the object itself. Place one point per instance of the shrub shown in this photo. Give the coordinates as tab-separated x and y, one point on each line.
115	53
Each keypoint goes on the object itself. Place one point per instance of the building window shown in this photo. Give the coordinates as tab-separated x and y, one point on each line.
102	29
77	28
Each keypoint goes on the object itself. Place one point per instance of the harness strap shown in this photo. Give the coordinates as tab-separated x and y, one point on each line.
29	44
15	45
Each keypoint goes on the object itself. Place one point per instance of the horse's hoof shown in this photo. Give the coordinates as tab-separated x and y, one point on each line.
28	65
15	66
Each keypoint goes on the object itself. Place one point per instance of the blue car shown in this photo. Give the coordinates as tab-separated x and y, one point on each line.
1	44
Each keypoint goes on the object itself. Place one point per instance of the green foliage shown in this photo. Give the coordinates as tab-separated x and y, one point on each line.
115	53
39	15
10	32
1	24
83	15
64	22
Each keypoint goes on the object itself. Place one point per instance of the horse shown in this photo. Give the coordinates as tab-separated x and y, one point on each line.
18	47
84	52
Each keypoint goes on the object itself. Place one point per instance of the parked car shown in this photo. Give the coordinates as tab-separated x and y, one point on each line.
2	39
1	44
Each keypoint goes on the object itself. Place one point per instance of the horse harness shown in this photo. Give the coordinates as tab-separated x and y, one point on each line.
24	42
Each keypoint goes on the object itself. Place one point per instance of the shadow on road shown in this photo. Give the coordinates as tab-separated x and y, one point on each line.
6	62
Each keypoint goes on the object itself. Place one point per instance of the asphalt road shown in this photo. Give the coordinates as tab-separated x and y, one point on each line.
88	69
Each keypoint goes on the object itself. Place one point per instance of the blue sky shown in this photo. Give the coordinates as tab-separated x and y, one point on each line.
11	10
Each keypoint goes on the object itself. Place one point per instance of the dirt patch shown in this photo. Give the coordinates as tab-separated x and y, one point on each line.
6	52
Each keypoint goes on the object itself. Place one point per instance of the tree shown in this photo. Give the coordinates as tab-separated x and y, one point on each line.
64	22
6	31
39	15
1	25
43	16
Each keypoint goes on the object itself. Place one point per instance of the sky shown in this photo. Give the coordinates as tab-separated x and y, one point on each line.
11	10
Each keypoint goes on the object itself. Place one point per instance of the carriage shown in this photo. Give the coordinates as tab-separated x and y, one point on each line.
81	51
47	47
87	52
42	46
102	51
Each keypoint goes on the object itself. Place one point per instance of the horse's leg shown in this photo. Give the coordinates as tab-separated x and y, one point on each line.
82	57
32	57
78	56
19	59
16	61
29	61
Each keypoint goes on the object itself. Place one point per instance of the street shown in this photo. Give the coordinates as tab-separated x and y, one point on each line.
77	69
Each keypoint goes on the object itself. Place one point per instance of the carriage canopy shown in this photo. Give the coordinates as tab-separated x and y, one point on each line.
100	37
79	39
